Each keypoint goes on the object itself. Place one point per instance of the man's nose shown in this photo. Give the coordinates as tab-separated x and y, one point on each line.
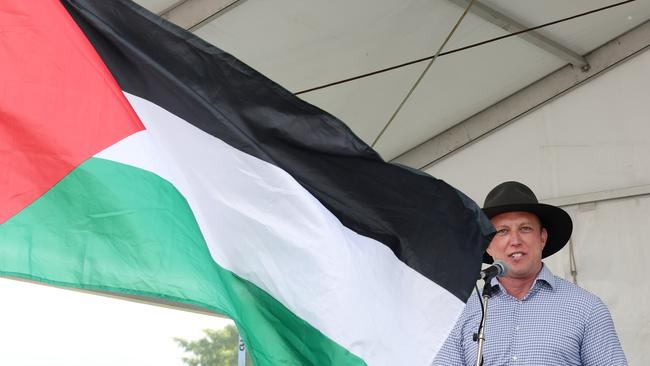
515	238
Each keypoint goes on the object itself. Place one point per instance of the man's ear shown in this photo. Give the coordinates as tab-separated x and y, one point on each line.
489	250
544	237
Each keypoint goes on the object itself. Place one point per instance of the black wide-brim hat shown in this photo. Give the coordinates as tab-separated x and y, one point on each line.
515	196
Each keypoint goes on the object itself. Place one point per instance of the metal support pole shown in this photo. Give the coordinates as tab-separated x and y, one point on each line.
480	336
241	353
481	330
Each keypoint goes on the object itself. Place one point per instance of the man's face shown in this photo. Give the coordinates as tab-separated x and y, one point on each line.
518	242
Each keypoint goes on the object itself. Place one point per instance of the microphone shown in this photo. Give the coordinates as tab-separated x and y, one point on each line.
497	269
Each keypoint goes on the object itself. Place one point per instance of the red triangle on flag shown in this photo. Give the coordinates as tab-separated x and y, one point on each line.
59	104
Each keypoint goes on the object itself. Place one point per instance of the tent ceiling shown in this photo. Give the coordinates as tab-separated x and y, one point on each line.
307	43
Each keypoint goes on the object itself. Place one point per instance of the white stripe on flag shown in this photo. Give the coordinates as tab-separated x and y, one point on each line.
262	225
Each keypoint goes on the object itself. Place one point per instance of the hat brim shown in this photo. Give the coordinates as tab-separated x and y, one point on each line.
557	222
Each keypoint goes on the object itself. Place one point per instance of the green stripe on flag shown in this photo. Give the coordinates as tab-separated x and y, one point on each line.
113	227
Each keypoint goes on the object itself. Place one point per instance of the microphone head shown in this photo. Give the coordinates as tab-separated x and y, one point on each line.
502	268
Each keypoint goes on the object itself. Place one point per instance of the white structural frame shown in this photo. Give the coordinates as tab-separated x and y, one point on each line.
193	14
512	25
593	197
527	99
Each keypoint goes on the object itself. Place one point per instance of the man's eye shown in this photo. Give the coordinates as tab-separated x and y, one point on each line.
526	229
502	231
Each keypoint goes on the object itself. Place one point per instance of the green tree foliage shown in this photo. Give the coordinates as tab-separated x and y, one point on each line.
216	348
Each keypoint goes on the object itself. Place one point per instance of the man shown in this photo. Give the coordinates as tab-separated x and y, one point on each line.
534	317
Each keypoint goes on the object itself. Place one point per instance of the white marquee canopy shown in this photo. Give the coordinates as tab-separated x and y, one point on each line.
564	109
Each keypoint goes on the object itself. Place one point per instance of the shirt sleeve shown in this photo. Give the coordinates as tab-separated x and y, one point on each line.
600	345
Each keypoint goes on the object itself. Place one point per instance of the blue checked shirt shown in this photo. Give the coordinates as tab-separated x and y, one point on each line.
556	323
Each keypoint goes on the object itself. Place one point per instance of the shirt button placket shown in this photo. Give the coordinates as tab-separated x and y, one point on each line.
517	310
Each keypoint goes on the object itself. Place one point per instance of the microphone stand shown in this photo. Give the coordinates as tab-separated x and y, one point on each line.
480	337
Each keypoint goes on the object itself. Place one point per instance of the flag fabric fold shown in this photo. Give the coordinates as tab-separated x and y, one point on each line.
138	159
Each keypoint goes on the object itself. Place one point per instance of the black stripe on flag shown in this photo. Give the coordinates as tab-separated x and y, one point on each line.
429	225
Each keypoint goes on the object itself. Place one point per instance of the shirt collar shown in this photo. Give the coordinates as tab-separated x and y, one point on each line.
545	275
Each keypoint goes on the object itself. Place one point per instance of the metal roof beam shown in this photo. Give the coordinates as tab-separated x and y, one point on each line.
511	25
555	84
193	14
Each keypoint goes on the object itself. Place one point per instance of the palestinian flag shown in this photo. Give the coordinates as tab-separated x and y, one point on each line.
139	160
